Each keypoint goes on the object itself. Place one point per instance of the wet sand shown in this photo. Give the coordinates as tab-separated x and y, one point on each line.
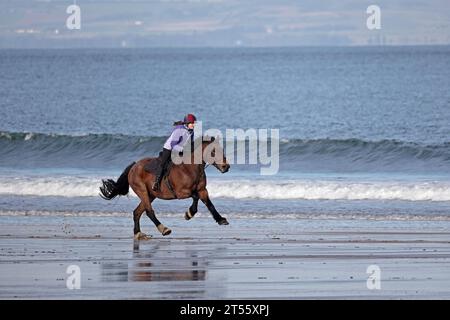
249	259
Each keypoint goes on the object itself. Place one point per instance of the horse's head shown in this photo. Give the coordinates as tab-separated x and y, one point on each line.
213	154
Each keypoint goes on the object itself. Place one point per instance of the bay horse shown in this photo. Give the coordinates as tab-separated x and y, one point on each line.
185	180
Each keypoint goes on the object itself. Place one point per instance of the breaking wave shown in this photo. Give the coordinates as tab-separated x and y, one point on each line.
300	189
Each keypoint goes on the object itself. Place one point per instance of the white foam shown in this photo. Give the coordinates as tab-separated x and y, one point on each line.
28	136
307	189
65	186
332	190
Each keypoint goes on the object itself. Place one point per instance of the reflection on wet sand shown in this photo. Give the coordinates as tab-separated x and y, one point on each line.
155	263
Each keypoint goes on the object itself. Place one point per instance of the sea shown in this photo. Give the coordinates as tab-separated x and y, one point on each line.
364	132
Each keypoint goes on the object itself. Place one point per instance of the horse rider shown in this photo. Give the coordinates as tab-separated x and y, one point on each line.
182	133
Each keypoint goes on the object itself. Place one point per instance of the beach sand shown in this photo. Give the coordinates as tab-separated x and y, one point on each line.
249	259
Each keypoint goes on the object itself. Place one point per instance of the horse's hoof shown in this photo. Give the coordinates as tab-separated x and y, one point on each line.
223	222
188	215
142	236
164	230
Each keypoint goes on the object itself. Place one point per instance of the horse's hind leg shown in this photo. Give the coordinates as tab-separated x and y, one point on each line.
203	194
193	208
162	228
137	213
146	201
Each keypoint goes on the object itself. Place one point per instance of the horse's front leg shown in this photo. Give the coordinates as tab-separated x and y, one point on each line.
203	194
193	208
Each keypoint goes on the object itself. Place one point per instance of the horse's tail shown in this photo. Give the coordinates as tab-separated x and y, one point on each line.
112	189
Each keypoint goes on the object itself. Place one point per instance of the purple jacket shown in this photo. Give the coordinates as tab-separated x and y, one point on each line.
180	135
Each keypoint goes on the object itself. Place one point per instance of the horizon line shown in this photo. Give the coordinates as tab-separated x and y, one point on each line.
227	47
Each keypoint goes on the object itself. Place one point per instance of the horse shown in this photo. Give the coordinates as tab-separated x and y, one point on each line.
184	180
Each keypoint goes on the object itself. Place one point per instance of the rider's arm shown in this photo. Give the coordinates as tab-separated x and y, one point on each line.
177	148
172	143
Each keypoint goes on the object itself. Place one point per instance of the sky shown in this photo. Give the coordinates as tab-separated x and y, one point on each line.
222	23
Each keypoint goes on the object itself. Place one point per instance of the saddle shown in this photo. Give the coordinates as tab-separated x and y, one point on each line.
154	164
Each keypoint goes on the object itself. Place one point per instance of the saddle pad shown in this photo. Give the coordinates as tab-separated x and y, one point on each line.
154	163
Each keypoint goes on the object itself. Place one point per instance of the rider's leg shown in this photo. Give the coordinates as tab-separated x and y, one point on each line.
165	156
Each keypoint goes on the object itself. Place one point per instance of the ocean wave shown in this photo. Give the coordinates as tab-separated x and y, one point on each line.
116	150
333	190
305	189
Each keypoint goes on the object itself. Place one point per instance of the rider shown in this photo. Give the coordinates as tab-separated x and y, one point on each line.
182	133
